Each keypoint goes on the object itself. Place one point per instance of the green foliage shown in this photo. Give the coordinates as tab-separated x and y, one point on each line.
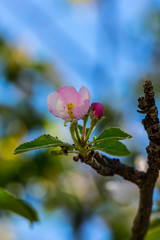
114	133
44	141
154	230
10	202
112	147
108	142
153	234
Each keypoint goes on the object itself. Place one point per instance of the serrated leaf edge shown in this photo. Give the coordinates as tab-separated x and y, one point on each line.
120	138
96	148
16	151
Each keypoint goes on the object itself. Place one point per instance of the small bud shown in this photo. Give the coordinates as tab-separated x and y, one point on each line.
65	150
97	110
75	158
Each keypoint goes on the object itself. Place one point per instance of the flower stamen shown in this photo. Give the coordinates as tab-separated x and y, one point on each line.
70	107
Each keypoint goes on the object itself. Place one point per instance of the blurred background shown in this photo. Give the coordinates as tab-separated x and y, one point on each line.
111	47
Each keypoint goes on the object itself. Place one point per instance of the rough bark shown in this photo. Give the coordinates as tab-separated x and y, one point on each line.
152	127
110	166
145	181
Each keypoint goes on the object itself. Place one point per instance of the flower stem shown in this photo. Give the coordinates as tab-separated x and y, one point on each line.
84	128
72	131
77	132
92	126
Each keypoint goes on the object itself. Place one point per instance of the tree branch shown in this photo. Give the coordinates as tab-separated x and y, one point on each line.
108	167
145	181
152	127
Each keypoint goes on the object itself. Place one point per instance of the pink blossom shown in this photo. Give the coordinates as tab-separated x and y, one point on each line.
68	104
97	110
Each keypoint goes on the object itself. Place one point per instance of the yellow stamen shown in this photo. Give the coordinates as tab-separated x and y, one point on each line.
70	107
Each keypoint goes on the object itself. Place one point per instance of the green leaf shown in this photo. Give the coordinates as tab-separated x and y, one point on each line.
154	230
153	234
81	129
18	206
114	133
44	141
112	147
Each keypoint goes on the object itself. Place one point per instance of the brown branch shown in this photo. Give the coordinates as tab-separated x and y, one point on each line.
108	167
145	181
151	125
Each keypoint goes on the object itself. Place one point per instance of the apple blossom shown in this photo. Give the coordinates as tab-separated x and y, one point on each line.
68	104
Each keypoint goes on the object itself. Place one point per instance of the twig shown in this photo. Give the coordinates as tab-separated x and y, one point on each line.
152	127
145	181
108	167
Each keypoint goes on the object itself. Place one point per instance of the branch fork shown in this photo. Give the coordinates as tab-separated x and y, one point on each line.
145	181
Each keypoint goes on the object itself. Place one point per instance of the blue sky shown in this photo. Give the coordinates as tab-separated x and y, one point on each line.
87	43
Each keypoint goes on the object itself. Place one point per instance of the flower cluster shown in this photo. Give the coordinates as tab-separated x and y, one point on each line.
72	106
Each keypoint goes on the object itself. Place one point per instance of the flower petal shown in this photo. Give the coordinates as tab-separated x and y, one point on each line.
80	110
69	94
56	106
83	95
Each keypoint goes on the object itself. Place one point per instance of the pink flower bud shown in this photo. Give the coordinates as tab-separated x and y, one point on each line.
97	110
